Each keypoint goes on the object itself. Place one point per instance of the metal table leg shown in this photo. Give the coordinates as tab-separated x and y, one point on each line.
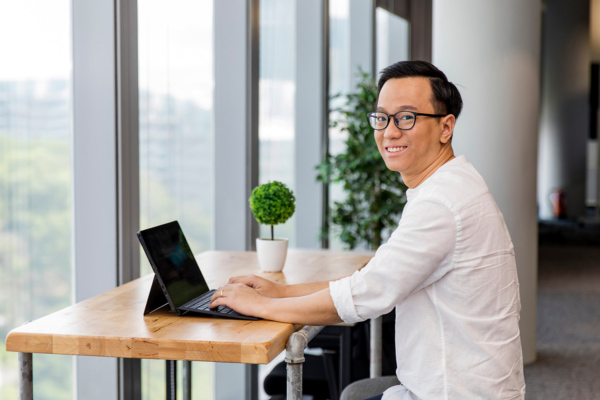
294	358
187	380
25	376
171	377
375	363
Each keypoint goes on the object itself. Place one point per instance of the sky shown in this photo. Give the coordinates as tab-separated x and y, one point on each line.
34	39
175	52
175	45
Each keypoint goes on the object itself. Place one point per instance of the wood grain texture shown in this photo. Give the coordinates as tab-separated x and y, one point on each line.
112	324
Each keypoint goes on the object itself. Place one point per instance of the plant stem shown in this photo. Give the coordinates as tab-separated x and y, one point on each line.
272	237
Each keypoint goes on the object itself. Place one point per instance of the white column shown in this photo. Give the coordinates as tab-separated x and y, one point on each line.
491	50
94	176
310	119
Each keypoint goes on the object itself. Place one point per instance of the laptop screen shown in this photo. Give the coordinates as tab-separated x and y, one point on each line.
173	261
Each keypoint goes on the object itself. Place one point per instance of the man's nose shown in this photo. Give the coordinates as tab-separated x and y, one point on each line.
392	131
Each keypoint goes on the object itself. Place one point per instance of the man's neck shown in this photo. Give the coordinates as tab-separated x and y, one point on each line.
446	154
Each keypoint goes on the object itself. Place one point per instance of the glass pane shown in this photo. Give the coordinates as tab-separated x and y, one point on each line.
393	38
176	140
339	86
339	49
277	90
35	182
154	378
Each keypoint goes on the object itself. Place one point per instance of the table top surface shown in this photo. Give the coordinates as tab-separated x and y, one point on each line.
112	324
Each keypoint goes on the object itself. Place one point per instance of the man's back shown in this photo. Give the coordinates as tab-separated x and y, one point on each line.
449	270
457	332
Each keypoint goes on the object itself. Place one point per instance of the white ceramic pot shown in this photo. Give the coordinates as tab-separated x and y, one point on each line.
271	254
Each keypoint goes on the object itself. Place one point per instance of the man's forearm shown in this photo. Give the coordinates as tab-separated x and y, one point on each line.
316	308
306	304
304	289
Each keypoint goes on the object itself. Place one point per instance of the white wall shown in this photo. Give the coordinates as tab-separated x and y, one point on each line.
490	50
564	120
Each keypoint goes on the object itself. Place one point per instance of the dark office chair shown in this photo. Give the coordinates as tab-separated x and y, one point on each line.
343	360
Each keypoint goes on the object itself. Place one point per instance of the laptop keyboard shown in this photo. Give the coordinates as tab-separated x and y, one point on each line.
202	303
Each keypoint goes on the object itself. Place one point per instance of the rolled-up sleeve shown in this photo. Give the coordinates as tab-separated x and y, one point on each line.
418	253
341	293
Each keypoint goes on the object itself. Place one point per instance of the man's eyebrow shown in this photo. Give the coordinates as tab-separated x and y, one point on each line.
408	107
400	108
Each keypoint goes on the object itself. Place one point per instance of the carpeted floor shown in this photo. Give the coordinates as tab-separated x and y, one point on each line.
568	357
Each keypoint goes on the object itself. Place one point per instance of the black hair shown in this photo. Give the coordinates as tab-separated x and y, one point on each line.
446	97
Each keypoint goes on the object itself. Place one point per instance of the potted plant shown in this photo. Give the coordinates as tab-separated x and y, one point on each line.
375	195
272	203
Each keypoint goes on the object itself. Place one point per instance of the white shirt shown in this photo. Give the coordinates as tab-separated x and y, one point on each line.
449	269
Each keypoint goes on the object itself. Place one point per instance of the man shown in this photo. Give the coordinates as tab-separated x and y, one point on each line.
448	269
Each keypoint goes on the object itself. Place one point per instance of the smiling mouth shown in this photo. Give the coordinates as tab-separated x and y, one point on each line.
396	149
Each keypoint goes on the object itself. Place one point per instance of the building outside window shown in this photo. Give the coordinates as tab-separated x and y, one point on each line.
36	271
339	87
176	148
277	90
393	38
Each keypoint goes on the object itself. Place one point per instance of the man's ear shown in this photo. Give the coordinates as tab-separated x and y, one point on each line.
447	124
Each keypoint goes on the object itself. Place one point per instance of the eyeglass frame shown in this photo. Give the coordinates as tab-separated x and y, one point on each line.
390	116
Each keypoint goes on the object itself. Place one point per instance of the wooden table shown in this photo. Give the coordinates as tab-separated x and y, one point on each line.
112	324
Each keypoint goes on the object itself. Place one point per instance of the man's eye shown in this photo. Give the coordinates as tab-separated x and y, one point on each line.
381	118
406	117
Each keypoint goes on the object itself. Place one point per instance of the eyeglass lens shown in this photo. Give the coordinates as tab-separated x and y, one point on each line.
402	119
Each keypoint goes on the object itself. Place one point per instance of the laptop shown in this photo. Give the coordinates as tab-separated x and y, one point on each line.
178	280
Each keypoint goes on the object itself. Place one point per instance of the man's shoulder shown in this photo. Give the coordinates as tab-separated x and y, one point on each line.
455	184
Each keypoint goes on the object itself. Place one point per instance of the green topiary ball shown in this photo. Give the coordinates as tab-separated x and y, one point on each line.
272	203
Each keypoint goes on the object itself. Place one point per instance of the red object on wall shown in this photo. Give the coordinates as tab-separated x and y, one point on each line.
559	205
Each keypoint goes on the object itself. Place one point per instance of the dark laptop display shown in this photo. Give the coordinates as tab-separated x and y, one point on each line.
177	280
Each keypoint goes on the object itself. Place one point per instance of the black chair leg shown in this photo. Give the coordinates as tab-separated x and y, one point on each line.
330	375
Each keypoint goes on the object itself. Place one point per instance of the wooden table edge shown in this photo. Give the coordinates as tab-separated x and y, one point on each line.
143	348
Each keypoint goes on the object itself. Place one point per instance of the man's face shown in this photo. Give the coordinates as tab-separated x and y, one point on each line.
409	151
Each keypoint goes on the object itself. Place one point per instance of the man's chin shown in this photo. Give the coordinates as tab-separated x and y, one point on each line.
394	168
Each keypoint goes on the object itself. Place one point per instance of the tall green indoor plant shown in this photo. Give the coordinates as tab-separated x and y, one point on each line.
375	196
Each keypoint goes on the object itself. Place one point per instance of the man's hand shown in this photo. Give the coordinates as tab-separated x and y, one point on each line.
239	297
261	285
306	304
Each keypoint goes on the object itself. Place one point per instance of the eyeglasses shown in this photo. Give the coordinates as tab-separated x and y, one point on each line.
403	119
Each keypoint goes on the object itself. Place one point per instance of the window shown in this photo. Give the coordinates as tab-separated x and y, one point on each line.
176	140
393	38
35	182
277	90
339	86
